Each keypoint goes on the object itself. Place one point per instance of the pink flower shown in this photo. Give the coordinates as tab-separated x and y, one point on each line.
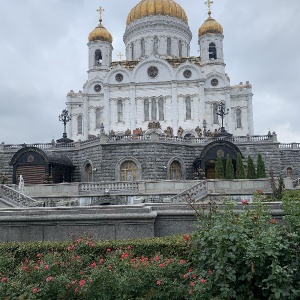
4	279
260	192
93	265
186	237
156	257
192	283
109	267
46	267
36	267
129	247
35	290
158	282
273	221
24	268
48	279
39	255
161	265
202	280
82	282
184	276
108	250
76	290
191	292
245	202
210	272
101	261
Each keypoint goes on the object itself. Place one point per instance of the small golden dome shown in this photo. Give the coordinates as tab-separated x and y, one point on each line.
156	7
100	34
210	26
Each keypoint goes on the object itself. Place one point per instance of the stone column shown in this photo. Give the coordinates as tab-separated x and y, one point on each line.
250	115
132	108
106	110
229	126
86	116
201	111
174	107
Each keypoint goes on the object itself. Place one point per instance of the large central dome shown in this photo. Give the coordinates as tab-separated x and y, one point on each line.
156	7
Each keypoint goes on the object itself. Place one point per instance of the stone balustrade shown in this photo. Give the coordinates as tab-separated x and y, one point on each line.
195	192
108	187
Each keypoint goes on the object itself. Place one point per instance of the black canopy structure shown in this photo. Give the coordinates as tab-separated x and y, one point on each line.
39	166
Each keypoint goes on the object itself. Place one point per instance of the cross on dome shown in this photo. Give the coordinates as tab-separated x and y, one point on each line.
100	10
209	4
120	55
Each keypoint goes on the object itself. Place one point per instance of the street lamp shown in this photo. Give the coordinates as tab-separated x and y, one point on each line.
222	112
64	118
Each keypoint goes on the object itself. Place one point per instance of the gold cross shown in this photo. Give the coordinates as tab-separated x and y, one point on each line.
120	55
100	10
209	4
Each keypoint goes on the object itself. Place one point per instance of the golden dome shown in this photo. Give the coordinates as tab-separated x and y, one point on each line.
156	7
210	26
100	34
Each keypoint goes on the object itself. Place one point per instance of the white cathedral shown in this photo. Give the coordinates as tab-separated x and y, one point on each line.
159	86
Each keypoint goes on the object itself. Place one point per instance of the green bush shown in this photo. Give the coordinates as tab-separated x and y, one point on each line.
105	270
219	167
229	173
245	255
251	173
240	170
261	170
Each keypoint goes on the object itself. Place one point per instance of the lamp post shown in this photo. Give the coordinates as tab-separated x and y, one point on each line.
222	112
204	127
64	118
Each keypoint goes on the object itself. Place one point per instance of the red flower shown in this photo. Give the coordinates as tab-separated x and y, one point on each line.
93	265
202	280
39	255
245	202
129	247
36	267
24	268
101	261
186	237
191	292
82	282
158	282
76	290
46	267
194	276
4	279
35	290
161	265
260	192
156	257
184	276
273	221
192	283
109	267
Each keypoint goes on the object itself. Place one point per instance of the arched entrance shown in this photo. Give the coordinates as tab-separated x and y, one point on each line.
221	148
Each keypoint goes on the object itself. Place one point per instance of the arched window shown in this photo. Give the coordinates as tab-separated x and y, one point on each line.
98	118
132	51
161	109
153	109
146	109
188	109
169	46
79	125
238	118
155	44
98	58
120	111
143	47
289	172
215	111
180	48
212	51
128	171
88	173
175	170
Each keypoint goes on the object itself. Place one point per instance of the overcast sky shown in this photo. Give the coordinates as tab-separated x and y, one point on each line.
43	55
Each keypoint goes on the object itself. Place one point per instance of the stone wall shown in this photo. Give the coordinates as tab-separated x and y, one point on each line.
155	157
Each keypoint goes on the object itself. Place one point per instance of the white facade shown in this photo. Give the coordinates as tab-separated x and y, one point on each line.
159	81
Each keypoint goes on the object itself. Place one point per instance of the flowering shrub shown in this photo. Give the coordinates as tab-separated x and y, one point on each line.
245	255
77	273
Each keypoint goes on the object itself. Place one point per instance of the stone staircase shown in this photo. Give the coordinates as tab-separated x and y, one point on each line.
10	197
196	193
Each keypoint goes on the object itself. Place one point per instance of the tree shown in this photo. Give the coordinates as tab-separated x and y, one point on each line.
261	170
229	173
240	170
251	174
219	168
